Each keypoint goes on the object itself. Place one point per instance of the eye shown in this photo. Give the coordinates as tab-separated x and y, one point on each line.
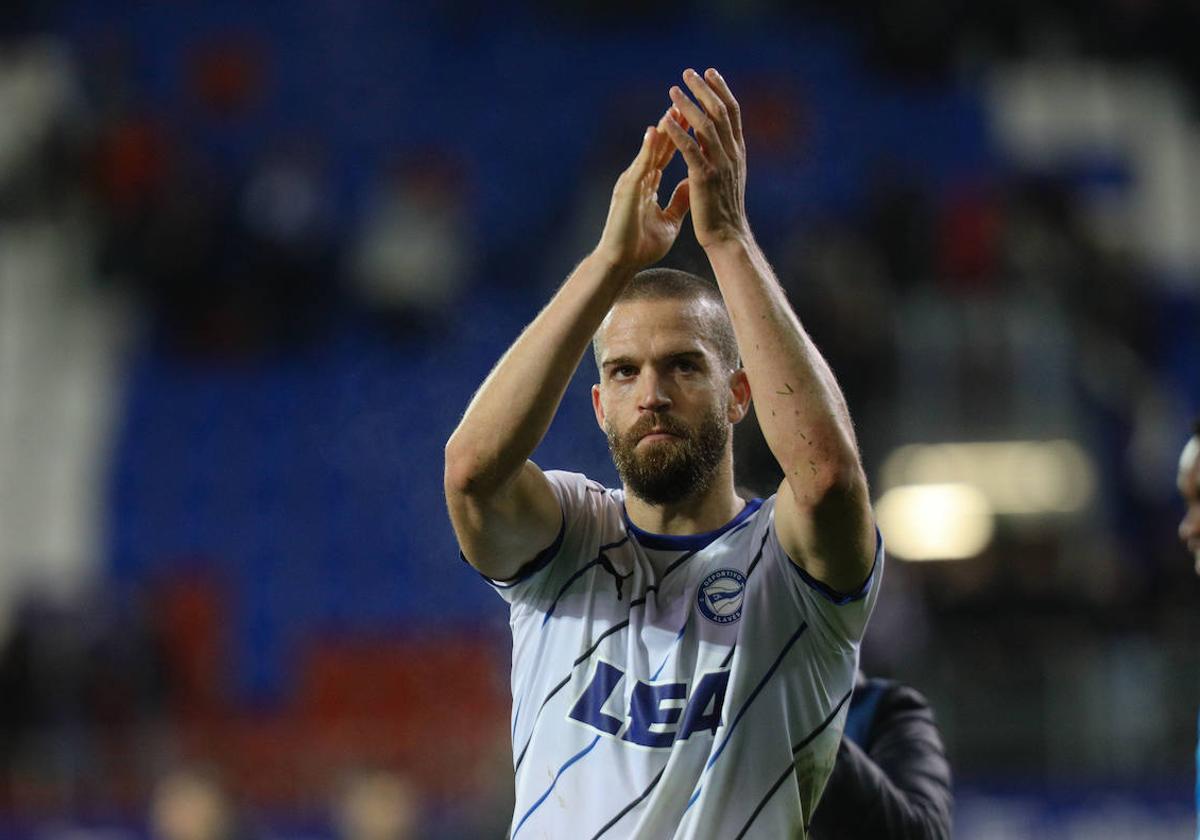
686	365
623	372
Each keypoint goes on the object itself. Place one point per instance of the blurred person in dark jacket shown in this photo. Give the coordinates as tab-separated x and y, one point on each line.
892	779
1189	527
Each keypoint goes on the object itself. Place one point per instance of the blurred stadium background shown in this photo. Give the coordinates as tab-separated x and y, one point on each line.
254	259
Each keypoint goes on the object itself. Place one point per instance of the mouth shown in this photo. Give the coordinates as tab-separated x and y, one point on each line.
653	436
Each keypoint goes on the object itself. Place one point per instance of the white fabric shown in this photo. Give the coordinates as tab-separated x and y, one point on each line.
614	614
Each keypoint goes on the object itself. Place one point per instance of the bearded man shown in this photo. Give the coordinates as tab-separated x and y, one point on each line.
682	657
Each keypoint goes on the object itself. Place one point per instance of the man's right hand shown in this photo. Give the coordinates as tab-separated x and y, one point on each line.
503	508
638	231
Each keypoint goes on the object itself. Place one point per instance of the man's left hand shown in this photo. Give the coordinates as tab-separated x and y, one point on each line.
715	156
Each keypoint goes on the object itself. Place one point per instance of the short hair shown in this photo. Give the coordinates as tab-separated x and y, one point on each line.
673	284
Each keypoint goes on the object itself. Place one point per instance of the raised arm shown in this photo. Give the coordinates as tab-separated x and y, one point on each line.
822	512
501	505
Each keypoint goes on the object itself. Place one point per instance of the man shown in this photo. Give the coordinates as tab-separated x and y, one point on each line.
1189	487
682	658
1188	482
892	779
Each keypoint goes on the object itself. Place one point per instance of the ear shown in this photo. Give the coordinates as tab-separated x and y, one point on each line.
739	396
598	407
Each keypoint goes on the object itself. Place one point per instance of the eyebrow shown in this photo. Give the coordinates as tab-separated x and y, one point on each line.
629	360
617	362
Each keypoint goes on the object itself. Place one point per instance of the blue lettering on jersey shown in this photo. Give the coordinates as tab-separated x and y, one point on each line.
704	712
590	708
659	713
646	711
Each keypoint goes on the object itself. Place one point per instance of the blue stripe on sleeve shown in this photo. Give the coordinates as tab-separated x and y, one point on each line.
840	599
534	566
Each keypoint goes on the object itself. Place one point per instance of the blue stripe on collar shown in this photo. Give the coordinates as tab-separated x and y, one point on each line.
687	542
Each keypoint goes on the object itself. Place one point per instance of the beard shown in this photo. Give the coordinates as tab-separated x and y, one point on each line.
669	471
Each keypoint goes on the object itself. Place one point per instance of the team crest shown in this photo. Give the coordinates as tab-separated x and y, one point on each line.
720	596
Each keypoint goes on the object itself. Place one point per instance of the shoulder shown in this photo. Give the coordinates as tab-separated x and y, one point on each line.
582	497
902	721
866	591
577	484
896	697
879	703
591	515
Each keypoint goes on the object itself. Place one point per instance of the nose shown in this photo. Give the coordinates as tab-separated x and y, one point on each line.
652	395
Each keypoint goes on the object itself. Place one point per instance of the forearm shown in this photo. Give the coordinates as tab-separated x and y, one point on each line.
511	411
800	407
822	510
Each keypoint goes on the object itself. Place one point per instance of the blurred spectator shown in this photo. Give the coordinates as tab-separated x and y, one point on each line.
40	130
156	215
892	779
840	284
159	228
377	804
83	691
411	258
227	74
192	803
281	275
585	207
20	709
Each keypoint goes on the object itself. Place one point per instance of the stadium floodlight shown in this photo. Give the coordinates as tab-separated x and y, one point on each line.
1017	477
950	521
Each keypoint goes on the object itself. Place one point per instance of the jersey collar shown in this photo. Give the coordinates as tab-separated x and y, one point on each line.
687	542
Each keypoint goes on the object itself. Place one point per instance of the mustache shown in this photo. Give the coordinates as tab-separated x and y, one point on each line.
658	423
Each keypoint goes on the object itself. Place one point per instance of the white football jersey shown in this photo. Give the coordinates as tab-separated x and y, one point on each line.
674	686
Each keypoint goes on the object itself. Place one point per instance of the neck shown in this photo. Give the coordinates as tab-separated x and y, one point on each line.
696	514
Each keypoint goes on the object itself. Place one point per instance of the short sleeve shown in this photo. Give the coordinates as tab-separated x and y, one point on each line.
584	506
840	617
